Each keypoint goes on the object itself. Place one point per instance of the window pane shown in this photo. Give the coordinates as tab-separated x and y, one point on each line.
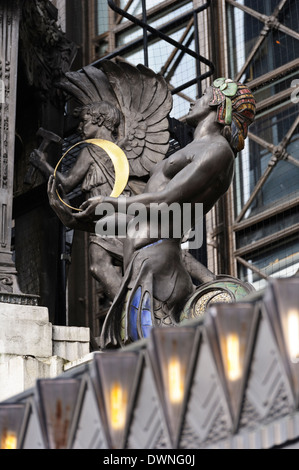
279	261
277	47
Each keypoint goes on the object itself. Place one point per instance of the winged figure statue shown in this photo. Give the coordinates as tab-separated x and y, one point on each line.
143	99
128	106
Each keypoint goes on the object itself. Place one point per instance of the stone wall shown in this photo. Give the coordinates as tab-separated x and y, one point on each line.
32	348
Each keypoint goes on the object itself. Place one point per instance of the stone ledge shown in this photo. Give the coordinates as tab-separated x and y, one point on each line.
18	299
32	348
70	350
21	372
83	360
24	312
25	337
70	342
70	333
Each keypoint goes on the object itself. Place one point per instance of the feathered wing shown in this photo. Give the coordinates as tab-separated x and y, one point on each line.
144	100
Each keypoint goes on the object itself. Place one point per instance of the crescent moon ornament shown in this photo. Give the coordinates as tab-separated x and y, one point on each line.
118	158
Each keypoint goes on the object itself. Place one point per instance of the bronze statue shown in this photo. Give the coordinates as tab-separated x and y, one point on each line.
156	285
126	105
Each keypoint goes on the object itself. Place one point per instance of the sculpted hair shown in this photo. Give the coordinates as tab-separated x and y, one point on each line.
236	107
101	113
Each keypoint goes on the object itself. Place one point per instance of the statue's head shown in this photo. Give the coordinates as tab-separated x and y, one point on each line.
100	113
235	110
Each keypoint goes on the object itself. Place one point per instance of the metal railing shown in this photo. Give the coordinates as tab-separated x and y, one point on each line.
150	33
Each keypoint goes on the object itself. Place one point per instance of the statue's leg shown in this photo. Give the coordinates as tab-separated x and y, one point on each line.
196	269
104	270
105	249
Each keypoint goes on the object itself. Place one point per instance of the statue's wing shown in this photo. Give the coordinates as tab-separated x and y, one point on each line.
88	86
144	100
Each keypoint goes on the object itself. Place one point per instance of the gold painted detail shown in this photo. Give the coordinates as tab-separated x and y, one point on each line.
118	158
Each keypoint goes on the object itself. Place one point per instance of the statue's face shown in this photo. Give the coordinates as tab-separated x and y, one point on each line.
200	108
87	129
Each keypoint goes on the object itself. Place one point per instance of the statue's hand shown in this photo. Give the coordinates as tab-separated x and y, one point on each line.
37	158
63	212
88	209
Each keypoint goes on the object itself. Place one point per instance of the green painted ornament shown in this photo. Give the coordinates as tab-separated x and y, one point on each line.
228	110
226	85
224	289
229	89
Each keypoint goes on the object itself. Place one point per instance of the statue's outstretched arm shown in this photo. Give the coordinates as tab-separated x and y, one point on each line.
191	184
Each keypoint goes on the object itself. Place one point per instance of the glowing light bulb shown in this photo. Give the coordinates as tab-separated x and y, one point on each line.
293	334
175	381
8	440
233	357
118	406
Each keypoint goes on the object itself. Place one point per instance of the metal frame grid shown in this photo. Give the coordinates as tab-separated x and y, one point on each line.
226	221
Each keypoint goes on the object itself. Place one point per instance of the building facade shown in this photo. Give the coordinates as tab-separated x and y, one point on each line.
240	378
252	233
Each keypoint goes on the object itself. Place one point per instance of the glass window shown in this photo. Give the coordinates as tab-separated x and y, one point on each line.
159	51
284	177
170	19
102	17
155	21
136	6
276	47
276	116
281	260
